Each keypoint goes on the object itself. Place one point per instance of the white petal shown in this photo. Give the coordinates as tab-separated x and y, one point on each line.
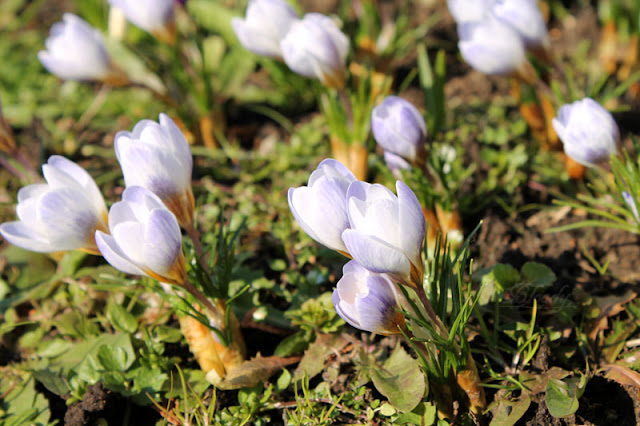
114	255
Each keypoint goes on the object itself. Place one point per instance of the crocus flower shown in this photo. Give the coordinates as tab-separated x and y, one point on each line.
265	25
399	128
62	214
145	238
76	51
396	164
321	207
525	17
468	10
154	16
368	301
492	47
315	47
157	157
588	132
386	232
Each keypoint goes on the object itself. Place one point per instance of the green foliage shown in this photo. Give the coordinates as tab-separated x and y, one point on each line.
400	380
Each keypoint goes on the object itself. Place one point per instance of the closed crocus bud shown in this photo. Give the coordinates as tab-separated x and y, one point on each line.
399	128
154	16
368	301
468	10
588	132
396	164
386	232
493	48
145	238
265	25
62	214
321	207
526	18
316	48
76	51
157	157
631	202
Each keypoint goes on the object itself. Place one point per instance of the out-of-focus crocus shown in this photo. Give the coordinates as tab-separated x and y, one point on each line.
494	48
468	10
265	25
386	231
628	199
145	238
588	132
396	164
154	16
315	47
399	128
157	156
321	207
76	51
368	301
62	214
525	17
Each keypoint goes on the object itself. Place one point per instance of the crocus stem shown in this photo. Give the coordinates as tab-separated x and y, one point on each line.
194	234
437	323
11	169
202	299
93	109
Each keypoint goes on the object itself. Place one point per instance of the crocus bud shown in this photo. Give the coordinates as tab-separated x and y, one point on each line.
396	164
145	238
62	214
76	51
386	232
316	48
368	301
493	48
154	16
399	128
525	17
157	157
321	207
588	132
468	10
265	25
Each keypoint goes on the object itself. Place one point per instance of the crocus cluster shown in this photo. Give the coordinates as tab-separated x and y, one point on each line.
143	234
588	132
495	35
312	46
382	232
399	128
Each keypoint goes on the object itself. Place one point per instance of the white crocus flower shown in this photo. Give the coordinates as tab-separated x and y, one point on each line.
157	156
526	18
315	47
76	51
588	132
145	238
265	25
62	214
386	231
154	16
321	207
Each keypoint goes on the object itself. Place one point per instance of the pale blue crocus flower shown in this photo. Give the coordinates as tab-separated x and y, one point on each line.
368	301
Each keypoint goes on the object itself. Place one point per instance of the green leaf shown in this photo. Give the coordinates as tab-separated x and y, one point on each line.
509	412
284	380
423	414
562	396
52	381
400	380
292	344
312	362
213	16
120	318
113	358
500	278
21	404
538	276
